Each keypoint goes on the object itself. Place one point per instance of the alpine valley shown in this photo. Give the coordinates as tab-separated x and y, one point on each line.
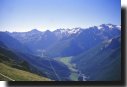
78	54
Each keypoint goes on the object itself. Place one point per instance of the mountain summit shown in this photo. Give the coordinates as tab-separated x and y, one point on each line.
64	41
60	54
34	30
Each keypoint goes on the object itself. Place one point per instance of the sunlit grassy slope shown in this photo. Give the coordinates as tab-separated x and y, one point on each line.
18	75
2	78
12	67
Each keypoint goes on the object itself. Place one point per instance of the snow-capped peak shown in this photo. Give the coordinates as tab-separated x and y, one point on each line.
99	27
68	31
74	31
110	26
119	27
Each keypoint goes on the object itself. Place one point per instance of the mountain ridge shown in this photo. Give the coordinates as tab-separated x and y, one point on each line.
46	53
38	41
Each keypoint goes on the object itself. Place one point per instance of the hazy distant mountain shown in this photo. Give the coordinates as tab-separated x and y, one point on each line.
103	62
13	43
18	53
42	66
62	42
94	49
83	41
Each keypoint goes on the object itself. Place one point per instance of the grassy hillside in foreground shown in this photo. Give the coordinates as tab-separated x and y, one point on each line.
2	78
37	65
18	75
12	67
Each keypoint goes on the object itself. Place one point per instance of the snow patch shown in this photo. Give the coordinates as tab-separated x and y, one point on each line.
110	26
119	27
99	27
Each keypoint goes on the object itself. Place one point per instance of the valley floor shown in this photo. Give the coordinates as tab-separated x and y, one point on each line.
75	75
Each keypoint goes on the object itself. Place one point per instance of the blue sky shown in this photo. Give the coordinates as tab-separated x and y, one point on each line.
24	15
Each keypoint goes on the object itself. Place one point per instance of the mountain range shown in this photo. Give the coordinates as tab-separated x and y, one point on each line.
94	49
64	41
